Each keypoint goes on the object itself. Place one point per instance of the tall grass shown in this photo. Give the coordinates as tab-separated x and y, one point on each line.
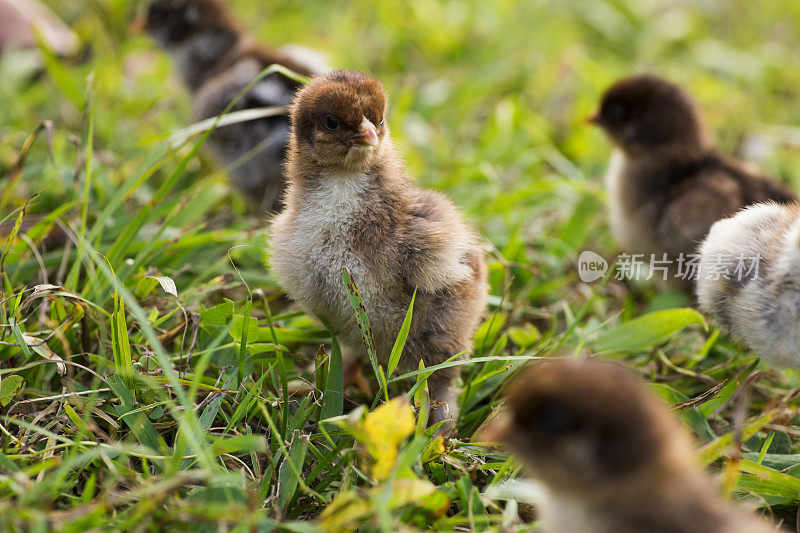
152	373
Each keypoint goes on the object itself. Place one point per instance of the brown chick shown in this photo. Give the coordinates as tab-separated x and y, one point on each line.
217	60
667	184
611	457
349	203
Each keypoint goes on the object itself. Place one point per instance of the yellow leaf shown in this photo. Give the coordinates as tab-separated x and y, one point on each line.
384	429
344	512
350	510
40	347
406	491
434	449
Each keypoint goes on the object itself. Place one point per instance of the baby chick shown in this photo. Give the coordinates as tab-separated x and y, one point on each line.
611	457
750	279
217	60
667	184
349	203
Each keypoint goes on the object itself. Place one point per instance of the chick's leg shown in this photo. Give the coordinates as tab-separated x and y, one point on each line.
353	375
444	399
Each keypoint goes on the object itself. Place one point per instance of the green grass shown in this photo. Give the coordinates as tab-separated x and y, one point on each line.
126	407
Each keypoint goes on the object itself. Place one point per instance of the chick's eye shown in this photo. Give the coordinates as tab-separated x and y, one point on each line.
553	419
191	14
381	122
331	122
616	112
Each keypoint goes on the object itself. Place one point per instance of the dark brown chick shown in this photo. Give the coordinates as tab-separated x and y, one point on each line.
350	204
667	183
217	60
612	458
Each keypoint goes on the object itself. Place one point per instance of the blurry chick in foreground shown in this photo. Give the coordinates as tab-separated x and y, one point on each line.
611	456
667	183
350	204
217	60
750	279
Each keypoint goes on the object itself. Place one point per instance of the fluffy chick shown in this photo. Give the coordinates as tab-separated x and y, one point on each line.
611	457
217	60
349	203
667	184
750	279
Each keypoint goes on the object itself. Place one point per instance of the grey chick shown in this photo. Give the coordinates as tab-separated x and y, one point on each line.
750	280
217	60
351	204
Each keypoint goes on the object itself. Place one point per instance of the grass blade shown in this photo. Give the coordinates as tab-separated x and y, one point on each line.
121	346
248	306
400	342
333	395
646	331
362	319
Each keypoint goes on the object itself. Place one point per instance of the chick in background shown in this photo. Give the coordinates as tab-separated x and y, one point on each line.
217	59
667	183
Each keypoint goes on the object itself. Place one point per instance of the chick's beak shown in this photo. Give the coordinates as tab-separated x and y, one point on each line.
138	26
367	134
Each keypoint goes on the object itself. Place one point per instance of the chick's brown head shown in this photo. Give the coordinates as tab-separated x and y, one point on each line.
338	120
582	423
